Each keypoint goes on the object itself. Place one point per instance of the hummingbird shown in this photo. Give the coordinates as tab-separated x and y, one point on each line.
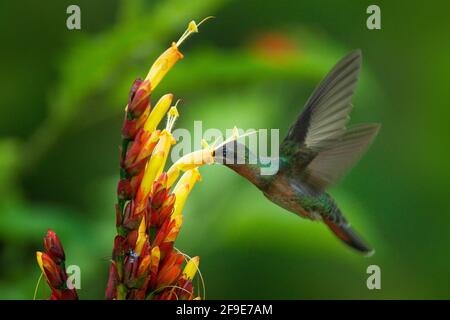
317	151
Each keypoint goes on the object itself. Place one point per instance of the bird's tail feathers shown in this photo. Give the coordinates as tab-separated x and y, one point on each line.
344	232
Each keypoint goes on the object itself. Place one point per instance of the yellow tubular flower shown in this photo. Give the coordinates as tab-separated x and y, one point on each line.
155	166
39	260
172	175
188	162
163	64
156	256
169	57
200	157
158	112
40	263
142	236
191	268
183	188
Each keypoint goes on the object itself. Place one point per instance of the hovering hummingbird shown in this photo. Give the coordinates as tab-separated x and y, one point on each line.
316	152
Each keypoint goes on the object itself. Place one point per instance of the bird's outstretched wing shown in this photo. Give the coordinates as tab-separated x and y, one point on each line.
333	162
318	146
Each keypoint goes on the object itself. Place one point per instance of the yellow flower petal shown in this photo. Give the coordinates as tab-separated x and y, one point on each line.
142	236
172	175
155	166
163	64
191	268
158	112
188	162
183	188
156	256
39	260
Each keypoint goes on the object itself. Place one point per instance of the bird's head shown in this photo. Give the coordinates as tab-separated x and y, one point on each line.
240	159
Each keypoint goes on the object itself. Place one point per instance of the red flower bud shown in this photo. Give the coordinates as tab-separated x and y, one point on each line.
140	99
131	220
54	247
124	190
130	269
170	270
134	88
166	212
52	272
113	279
118	216
135	147
137	167
158	198
118	249
131	240
136	181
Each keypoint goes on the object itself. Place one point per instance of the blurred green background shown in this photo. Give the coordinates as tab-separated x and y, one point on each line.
62	98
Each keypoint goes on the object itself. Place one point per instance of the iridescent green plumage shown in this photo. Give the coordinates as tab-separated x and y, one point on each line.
317	151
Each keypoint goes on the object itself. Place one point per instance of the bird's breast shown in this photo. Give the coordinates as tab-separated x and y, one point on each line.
282	193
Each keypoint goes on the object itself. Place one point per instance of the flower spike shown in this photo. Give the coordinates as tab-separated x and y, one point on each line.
144	261
149	216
